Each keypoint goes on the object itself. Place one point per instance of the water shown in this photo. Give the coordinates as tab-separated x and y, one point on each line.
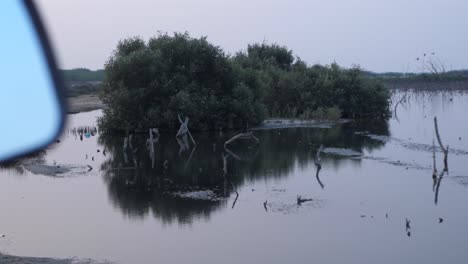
375	175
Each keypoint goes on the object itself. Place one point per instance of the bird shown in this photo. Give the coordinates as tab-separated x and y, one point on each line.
440	220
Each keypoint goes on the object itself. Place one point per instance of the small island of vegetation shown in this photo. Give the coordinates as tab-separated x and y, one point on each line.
148	84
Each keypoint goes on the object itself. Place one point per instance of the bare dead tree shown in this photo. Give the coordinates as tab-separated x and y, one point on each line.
444	149
434	66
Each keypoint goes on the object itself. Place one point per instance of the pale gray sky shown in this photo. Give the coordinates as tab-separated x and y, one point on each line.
378	35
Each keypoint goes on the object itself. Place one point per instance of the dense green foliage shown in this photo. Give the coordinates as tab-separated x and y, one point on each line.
148	83
292	89
82	75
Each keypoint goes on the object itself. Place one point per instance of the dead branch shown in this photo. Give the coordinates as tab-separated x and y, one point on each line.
184	128
237	196
444	149
247	135
439	180
434	173
300	200
398	103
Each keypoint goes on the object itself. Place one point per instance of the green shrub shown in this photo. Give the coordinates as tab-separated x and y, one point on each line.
149	84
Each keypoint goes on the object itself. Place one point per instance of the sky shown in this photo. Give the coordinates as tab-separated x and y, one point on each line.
378	35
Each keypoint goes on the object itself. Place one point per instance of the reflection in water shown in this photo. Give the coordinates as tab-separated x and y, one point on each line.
150	142
174	182
319	166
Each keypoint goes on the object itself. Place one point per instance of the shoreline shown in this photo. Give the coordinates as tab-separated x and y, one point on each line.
83	103
8	259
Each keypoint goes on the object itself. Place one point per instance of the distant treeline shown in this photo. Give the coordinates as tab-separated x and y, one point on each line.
82	75
86	75
458	75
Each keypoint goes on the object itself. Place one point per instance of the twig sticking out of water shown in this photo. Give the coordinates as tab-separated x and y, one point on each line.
408	227
300	200
444	149
237	196
265	205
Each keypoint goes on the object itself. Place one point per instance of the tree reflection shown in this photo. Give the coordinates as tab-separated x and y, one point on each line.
153	184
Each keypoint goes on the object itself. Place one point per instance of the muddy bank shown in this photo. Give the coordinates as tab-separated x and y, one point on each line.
7	259
84	103
275	123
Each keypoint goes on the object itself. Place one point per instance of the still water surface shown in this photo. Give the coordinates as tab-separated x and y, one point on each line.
181	207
